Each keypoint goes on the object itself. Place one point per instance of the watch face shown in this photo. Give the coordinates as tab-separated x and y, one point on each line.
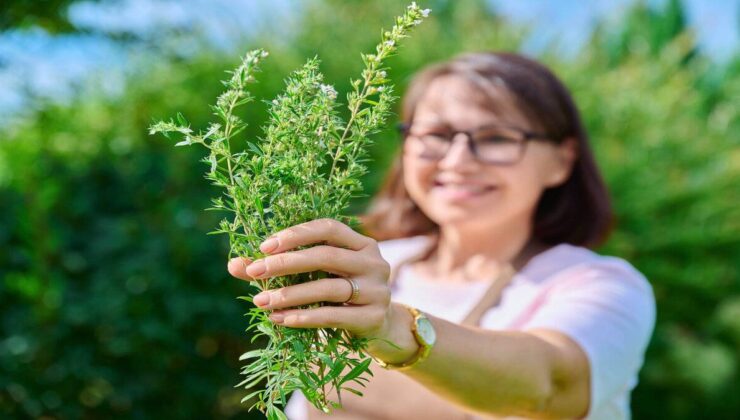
426	331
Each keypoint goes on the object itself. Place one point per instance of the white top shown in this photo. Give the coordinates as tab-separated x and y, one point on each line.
602	303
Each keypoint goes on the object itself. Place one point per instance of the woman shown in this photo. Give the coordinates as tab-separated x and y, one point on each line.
483	277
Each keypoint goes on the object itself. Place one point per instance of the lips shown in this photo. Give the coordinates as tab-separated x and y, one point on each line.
457	191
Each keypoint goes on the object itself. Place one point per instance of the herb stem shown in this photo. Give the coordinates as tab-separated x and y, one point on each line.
353	113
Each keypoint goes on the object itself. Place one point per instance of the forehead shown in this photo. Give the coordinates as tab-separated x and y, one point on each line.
456	101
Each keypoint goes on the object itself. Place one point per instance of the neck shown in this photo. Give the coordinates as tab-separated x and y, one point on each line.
461	246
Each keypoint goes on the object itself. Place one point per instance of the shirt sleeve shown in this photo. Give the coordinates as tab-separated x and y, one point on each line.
296	409
608	308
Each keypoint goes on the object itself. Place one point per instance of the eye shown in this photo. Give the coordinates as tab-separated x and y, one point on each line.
431	133
496	135
438	136
494	139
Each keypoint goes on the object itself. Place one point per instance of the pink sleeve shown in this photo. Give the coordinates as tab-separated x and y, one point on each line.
607	308
297	407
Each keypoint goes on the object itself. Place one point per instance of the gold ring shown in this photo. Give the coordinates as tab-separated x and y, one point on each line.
355	291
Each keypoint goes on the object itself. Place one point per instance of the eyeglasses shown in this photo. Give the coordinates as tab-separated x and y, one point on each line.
490	144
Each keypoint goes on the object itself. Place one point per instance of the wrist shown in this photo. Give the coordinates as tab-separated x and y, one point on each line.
399	332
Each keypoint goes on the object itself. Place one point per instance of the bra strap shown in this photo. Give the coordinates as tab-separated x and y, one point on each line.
491	297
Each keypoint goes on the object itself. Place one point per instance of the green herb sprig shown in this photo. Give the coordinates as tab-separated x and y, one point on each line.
307	166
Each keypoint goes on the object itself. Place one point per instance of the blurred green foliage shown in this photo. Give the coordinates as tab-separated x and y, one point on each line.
48	14
115	302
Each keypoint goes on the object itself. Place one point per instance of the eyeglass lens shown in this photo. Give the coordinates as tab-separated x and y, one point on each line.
490	144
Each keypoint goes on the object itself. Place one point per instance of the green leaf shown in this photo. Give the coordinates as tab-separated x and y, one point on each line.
356	371
258	205
250	395
328	361
181	119
274	413
253	380
254	148
335	371
299	349
308	382
354	391
252	354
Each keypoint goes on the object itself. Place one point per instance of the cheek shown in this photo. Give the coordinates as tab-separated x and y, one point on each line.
549	169
521	189
415	176
524	184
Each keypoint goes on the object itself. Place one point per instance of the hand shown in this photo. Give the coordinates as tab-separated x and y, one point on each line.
347	254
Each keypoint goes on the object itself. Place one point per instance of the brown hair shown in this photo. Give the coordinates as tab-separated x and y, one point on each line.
577	212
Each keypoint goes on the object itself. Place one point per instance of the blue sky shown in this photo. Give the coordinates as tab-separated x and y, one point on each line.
36	64
715	22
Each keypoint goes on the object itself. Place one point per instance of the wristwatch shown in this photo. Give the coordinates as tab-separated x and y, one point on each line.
425	336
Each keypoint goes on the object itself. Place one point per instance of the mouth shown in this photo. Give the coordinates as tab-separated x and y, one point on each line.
461	191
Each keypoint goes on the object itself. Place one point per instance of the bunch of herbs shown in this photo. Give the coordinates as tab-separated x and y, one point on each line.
306	166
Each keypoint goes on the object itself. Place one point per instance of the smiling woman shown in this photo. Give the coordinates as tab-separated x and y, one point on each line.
482	279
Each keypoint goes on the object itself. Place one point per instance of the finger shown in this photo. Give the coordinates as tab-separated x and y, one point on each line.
343	262
330	231
360	320
238	268
336	290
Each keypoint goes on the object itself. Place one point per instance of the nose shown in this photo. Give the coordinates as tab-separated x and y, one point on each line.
459	154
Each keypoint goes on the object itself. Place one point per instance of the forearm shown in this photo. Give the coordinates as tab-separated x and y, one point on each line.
504	373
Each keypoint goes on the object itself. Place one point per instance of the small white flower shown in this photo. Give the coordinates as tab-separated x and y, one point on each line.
381	74
390	43
329	91
265	53
413	5
425	12
381	88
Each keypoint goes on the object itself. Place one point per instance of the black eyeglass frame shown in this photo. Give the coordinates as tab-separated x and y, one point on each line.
527	136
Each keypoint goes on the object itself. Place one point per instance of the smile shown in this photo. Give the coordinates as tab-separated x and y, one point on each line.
456	192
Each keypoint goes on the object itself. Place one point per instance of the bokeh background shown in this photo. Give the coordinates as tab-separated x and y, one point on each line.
115	303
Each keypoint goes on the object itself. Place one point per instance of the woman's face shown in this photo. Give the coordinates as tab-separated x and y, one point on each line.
457	189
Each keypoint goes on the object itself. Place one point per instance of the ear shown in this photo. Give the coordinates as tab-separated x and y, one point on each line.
566	154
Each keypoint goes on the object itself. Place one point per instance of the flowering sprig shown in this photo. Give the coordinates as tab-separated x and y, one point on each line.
307	166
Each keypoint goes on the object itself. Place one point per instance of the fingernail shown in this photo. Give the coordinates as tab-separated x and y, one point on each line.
236	260
277	318
257	268
269	245
262	299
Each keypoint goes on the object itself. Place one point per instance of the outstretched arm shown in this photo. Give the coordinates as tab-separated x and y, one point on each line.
538	373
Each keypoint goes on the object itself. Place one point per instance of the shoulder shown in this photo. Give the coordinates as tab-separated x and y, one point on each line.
566	265
591	292
600	287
